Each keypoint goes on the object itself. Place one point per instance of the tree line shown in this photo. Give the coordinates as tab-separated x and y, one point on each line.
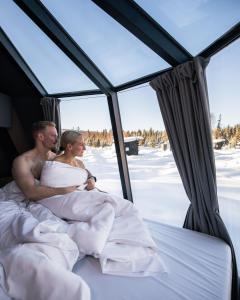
155	138
231	134
151	137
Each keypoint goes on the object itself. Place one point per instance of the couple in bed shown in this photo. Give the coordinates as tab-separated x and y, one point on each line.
28	166
103	225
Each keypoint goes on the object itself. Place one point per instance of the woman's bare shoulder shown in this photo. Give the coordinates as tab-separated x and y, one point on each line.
79	163
58	158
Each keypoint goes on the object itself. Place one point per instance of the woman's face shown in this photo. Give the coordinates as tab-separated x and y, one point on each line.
78	147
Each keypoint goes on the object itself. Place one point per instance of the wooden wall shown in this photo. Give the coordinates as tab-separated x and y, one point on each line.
20	107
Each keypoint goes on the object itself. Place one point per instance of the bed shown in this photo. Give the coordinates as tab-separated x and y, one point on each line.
198	267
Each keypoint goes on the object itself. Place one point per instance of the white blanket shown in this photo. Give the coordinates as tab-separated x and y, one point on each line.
36	253
103	225
38	249
57	174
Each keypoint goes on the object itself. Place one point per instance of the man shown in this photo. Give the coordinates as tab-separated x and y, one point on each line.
27	166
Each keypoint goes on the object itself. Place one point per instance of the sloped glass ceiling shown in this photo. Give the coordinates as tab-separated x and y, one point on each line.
117	53
53	68
195	24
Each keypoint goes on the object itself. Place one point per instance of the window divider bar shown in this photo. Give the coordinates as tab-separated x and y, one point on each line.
119	145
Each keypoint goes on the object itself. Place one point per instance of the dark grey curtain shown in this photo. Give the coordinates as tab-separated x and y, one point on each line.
51	111
183	100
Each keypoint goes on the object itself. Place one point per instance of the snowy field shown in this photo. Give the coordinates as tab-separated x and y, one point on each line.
157	188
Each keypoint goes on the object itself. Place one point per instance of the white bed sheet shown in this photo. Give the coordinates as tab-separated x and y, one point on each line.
199	267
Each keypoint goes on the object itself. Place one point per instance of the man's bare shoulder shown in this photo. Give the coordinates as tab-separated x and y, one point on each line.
24	158
22	166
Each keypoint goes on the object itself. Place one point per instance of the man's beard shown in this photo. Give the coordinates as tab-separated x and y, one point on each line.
54	148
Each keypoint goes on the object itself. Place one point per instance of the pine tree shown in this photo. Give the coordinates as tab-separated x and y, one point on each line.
219	122
98	144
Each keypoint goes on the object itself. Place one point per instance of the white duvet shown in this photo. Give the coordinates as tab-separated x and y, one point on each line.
39	248
36	253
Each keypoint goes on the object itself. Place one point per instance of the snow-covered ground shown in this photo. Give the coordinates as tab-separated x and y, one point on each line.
157	188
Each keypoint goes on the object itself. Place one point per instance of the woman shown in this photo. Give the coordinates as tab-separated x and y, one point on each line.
73	145
103	225
66	168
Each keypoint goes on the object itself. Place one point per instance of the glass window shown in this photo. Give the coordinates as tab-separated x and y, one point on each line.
194	24
156	185
54	69
118	53
223	85
91	115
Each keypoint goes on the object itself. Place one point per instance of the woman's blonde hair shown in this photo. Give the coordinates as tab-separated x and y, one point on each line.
69	137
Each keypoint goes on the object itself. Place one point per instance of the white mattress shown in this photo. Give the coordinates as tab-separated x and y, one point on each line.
199	267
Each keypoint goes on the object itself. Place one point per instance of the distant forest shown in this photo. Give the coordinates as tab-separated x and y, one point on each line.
231	135
155	138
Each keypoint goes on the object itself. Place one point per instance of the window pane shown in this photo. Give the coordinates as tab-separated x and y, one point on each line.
156	185
223	85
54	69
118	54
194	24
91	115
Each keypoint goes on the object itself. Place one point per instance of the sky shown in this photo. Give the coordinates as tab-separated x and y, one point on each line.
223	73
122	57
139	107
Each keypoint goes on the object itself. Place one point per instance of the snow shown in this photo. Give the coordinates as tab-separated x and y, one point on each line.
132	138
157	188
218	140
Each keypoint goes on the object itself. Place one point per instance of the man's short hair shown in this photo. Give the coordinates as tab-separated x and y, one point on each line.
41	126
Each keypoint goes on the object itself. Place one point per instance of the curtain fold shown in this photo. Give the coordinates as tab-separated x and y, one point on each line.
183	100
51	111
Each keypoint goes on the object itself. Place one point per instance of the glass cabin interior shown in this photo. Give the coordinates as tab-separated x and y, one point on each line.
98	57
